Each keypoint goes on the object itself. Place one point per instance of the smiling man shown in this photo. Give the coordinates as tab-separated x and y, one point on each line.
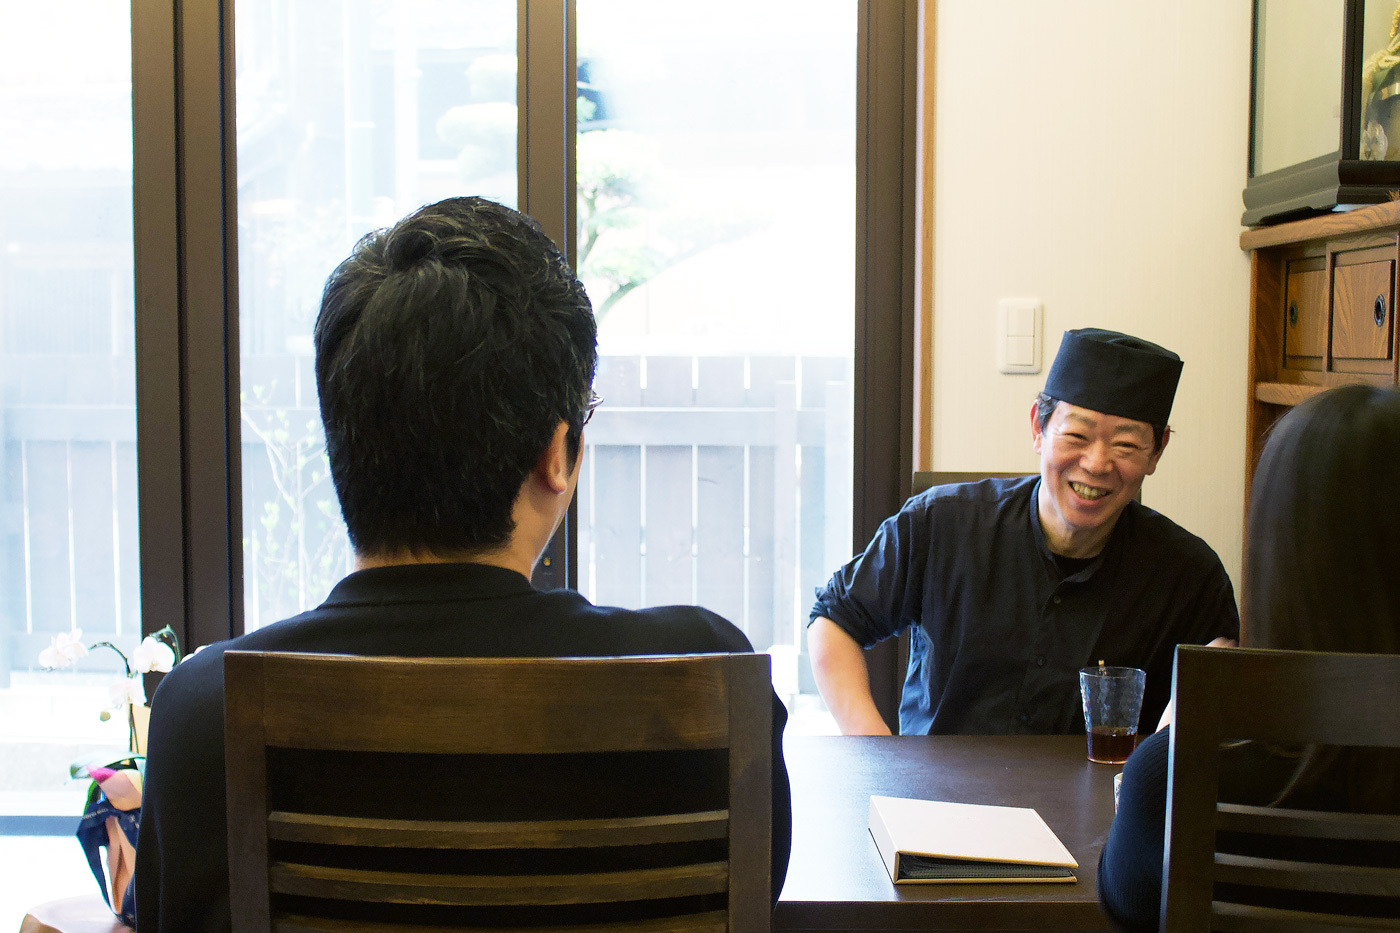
1009	587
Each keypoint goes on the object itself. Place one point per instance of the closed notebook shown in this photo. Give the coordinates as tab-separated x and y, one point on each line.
930	841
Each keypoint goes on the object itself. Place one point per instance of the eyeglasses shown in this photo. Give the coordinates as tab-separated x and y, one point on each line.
594	400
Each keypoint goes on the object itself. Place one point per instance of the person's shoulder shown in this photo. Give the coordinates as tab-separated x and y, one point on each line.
681	629
973	496
202	673
1159	533
1152	753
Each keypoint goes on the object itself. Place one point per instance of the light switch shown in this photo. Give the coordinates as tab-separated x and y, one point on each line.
1020	351
1020	321
1019	335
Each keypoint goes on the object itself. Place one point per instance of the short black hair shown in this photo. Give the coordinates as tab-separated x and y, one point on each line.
449	347
1045	410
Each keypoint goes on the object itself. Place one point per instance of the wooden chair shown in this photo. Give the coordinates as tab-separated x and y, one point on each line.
924	479
1289	699
614	707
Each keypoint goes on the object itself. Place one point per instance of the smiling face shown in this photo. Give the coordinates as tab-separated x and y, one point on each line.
1091	466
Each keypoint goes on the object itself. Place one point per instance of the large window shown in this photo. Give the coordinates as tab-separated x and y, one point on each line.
68	505
734	182
716	165
349	116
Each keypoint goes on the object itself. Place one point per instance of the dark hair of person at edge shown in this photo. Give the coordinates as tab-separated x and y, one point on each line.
449	348
1322	561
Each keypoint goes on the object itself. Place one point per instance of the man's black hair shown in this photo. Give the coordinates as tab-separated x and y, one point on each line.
1045	410
449	347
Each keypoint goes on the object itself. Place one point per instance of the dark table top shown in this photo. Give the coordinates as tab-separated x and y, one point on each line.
836	880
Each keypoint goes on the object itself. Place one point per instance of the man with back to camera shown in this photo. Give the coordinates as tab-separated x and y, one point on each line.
1009	587
455	353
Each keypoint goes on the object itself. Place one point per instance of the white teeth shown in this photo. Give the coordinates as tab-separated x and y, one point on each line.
1088	492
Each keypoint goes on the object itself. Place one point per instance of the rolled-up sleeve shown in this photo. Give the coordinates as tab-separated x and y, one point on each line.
880	591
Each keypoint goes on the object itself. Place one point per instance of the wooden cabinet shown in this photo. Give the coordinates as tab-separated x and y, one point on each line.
1322	310
1363	290
1305	314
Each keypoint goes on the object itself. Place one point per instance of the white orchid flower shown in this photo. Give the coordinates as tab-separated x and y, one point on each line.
126	691
152	655
64	649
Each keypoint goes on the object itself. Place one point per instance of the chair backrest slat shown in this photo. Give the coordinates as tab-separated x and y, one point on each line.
925	479
549	851
709	922
1366	880
354	884
418	704
1246	918
1290	699
1306	824
506	834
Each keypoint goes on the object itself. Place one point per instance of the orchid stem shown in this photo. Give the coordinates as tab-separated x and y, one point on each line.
107	644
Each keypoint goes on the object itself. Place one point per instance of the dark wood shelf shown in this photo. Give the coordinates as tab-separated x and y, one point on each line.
1285	393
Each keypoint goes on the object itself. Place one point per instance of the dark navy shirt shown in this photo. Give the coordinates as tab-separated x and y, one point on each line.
999	632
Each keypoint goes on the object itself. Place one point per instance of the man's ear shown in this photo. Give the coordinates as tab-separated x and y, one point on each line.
1035	425
1157	455
555	468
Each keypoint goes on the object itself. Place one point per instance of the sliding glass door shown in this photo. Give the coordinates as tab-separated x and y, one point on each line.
350	115
68	502
716	186
733	179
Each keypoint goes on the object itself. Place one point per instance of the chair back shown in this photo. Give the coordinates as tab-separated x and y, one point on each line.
925	479
1288	699
688	869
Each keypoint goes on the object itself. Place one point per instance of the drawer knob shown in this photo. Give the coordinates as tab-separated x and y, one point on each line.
1379	311
1293	314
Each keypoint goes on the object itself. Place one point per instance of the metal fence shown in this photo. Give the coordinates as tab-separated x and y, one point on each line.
68	520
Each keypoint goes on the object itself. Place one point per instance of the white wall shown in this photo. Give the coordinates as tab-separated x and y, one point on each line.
1091	153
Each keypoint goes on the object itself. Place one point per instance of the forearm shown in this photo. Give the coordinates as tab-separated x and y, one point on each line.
843	679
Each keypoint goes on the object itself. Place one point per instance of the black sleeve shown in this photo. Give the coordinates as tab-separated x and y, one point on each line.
1130	868
1221	611
782	802
880	592
181	851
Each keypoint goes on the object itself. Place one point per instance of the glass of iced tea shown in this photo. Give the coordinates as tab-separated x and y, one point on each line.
1112	703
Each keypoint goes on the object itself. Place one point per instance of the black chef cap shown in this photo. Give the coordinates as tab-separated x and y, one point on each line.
1116	374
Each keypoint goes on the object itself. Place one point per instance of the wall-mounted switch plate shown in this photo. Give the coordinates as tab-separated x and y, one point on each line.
1020	326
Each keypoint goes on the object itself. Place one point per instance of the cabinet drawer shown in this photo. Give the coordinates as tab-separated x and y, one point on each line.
1305	314
1363	308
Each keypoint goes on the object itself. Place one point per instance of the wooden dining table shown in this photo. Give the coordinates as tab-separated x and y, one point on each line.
836	880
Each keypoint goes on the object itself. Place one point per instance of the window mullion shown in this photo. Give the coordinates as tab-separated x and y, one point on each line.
546	88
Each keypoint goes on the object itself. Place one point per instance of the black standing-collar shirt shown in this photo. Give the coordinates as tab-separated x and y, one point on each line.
999	628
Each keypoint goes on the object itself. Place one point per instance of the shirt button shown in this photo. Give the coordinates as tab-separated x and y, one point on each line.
1056	600
1040	661
1025	717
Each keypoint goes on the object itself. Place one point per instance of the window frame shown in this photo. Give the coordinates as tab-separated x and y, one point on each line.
186	255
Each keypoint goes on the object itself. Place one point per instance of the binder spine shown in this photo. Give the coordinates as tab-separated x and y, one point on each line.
881	834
